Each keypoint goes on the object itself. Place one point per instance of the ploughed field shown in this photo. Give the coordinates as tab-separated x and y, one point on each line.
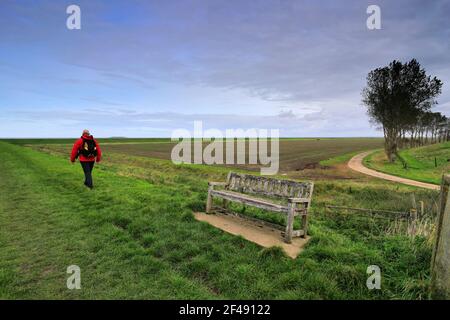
134	235
295	154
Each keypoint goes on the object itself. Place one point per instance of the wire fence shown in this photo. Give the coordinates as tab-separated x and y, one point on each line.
391	211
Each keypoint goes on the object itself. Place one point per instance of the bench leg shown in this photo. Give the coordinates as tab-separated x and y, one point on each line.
289	223
305	225
209	201
225	204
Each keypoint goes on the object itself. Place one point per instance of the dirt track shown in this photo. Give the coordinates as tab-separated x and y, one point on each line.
356	164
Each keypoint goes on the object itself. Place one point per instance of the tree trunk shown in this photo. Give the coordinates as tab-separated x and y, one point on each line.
390	146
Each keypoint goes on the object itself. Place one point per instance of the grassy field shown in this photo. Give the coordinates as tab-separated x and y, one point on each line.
134	235
425	164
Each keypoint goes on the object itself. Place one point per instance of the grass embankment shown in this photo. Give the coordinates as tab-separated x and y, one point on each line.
134	236
426	164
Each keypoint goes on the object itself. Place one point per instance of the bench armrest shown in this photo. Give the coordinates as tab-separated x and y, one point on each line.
217	184
298	200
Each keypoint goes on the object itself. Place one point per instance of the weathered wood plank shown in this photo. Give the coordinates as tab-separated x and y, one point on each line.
298	233
290	222
237	197
268	186
240	188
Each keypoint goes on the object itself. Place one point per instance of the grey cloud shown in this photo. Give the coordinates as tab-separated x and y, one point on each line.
287	114
312	53
293	50
289	124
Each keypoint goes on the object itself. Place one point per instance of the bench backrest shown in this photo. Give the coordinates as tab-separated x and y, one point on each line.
246	183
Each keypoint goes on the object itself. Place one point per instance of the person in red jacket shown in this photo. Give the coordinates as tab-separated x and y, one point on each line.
88	151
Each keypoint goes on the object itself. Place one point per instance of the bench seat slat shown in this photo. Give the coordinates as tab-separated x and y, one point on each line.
246	199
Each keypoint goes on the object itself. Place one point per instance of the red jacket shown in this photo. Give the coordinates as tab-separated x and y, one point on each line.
77	146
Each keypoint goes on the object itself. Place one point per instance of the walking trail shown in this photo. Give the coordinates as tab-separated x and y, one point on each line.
356	164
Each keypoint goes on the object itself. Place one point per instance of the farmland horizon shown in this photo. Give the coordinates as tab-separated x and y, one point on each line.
169	138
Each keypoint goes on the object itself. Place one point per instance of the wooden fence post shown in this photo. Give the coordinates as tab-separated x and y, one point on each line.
422	208
440	263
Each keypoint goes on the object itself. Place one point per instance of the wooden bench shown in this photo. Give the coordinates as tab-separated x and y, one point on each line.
261	192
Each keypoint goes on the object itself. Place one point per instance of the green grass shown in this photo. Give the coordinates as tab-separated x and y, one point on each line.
134	237
343	158
420	161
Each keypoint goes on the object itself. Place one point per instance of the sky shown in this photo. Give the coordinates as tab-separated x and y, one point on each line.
146	68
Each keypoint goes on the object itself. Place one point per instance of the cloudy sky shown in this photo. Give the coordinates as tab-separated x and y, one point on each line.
144	68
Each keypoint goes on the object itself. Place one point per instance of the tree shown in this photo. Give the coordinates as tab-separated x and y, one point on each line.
396	96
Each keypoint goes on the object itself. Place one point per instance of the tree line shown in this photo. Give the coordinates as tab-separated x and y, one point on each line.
399	100
429	127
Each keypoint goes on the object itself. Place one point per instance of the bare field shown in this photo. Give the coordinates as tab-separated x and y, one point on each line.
300	158
295	154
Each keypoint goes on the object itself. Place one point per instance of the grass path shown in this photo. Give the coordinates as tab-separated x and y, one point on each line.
50	222
136	238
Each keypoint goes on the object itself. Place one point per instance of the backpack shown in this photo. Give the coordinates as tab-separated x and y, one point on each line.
88	148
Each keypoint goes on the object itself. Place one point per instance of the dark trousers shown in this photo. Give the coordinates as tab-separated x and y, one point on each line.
87	168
